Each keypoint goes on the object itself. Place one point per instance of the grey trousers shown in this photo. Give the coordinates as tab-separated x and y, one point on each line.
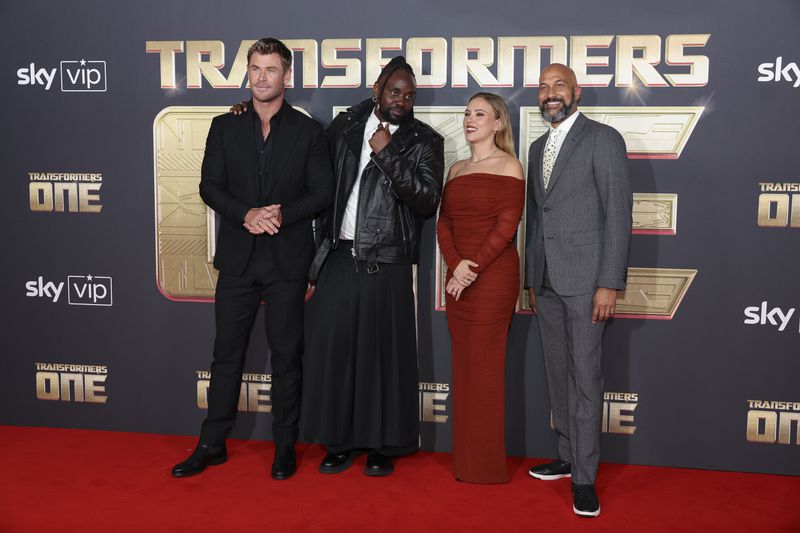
572	348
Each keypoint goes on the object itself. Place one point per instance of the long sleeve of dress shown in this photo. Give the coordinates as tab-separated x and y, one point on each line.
510	202
444	232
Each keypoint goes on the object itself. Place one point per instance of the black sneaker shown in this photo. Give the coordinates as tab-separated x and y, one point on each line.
585	502
551	471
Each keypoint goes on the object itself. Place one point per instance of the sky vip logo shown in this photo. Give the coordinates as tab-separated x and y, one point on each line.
83	76
75	76
778	72
89	290
761	315
81	290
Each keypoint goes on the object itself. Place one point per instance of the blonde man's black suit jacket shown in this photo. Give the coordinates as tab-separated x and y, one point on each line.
301	182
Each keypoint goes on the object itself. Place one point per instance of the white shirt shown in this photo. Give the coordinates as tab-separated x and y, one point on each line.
349	221
563	128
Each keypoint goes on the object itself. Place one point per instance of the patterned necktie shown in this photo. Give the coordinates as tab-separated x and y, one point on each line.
550	156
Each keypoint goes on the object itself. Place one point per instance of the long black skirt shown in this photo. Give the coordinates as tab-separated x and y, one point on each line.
360	386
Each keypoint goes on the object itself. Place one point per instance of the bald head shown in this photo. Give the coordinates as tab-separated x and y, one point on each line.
559	93
559	71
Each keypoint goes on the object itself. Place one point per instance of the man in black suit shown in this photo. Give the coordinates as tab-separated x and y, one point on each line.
267	174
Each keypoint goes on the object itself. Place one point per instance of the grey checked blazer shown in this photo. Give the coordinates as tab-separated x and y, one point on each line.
582	224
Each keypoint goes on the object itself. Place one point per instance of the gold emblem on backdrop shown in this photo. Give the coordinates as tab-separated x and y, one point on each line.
655	213
649	132
185	231
654	292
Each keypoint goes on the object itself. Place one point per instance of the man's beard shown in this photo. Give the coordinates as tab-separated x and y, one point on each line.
385	113
561	114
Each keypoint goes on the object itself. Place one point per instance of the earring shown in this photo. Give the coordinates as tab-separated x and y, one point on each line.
494	132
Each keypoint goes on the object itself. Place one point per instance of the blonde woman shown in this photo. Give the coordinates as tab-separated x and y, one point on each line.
481	208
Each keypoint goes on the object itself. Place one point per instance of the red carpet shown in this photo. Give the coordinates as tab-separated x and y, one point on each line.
78	480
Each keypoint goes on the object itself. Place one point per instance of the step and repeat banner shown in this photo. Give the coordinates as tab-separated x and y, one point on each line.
107	271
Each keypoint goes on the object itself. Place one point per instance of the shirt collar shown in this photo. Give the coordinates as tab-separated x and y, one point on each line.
372	124
565	126
276	118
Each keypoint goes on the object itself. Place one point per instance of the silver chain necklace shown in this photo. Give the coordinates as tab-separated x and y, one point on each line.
484	158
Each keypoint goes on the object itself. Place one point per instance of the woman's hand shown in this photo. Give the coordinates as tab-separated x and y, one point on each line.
463	274
454	288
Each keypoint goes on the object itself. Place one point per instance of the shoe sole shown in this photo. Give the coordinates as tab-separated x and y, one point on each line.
213	462
589	514
336	469
550	477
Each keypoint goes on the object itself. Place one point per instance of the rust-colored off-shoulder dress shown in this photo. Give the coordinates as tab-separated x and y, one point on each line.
478	220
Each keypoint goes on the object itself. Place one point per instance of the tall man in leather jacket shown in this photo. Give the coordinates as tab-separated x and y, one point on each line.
360	367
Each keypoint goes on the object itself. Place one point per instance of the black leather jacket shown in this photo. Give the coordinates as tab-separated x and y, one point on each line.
400	186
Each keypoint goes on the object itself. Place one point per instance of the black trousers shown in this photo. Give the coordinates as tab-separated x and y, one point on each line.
237	303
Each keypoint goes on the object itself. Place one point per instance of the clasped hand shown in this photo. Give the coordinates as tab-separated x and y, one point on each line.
462	278
267	219
380	139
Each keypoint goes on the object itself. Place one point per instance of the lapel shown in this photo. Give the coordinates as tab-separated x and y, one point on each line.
283	146
566	150
353	134
354	137
535	169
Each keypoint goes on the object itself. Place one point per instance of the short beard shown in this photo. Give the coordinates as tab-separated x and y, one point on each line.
560	115
387	116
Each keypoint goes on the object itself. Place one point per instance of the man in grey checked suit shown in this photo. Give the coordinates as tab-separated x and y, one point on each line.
578	234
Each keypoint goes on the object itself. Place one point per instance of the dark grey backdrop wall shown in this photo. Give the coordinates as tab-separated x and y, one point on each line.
106	318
